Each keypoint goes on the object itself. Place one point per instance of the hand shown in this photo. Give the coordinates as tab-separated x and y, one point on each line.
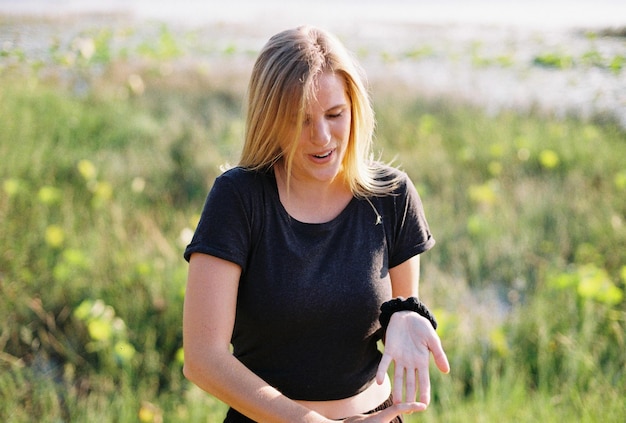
410	339
388	414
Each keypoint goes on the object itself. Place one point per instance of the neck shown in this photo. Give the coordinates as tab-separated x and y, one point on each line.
312	201
309	190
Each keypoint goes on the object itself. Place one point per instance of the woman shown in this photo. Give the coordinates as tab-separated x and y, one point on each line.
299	246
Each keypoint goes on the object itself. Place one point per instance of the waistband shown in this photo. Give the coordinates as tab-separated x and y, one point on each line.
233	416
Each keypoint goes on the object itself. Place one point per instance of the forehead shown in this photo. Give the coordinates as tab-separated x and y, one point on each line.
329	90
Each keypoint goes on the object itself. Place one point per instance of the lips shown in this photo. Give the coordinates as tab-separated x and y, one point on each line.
323	155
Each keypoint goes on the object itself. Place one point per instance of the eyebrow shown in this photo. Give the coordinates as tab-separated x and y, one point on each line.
337	106
330	109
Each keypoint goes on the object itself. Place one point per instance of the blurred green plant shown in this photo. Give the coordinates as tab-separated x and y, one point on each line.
590	283
554	60
590	58
616	65
420	52
164	47
101	189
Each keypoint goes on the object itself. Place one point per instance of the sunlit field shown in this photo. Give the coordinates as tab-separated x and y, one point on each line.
110	141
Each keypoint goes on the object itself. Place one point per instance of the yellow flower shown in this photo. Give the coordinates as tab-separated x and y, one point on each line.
549	159
595	283
483	194
150	413
49	195
146	414
87	169
100	330
620	180
55	236
124	351
102	193
11	186
180	356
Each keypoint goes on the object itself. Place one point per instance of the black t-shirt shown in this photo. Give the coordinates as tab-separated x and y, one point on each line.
309	294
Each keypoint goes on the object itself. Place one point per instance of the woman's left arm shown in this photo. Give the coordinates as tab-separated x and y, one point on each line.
409	341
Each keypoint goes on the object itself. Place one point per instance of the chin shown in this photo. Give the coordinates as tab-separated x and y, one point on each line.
328	176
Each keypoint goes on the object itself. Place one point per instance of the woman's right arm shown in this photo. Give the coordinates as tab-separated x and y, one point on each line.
208	321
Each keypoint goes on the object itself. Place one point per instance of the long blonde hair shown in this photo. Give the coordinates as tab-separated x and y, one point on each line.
283	82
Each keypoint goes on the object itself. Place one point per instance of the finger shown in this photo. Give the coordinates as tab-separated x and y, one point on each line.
441	360
383	366
410	385
423	376
396	410
439	355
398	379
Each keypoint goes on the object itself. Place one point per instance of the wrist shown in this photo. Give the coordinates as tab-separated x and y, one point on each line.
399	304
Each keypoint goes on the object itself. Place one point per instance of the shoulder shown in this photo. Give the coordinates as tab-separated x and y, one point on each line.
241	174
240	187
400	192
241	179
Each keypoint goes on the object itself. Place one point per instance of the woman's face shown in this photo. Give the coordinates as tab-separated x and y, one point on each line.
325	132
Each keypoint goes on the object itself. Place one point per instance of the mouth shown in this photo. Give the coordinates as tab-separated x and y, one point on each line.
323	155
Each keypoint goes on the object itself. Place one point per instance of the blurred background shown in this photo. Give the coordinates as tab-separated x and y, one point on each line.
510	117
552	33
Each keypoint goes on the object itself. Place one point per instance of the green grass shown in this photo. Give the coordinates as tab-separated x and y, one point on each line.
101	186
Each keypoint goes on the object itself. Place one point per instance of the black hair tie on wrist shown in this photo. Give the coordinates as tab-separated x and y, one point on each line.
401	304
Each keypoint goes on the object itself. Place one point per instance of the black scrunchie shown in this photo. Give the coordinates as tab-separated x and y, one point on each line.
400	304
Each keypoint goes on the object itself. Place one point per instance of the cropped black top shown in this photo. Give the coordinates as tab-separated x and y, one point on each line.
309	294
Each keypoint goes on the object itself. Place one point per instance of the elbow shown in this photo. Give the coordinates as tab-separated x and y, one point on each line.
188	372
191	366
192	371
202	372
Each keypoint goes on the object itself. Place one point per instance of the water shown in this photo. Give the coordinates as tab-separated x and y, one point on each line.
529	13
465	39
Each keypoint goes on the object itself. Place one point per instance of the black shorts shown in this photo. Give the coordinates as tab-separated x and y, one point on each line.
234	416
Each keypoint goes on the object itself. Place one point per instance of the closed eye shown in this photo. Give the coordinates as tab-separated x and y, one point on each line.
336	112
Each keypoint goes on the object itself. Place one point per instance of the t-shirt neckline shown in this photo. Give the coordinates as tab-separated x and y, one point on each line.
334	221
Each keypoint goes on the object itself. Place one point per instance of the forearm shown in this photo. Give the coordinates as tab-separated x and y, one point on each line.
226	378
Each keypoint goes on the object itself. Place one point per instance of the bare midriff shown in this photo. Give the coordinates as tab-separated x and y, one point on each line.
369	399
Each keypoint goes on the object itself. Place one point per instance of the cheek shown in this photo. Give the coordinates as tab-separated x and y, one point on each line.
302	140
343	129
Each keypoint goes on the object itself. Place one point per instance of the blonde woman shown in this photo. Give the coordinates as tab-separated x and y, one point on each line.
298	250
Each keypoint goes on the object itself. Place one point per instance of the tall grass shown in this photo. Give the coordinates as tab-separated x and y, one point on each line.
102	186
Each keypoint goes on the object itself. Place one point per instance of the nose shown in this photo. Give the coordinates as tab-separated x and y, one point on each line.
320	132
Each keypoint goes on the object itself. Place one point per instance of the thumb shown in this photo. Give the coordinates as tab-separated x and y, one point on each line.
383	366
388	414
440	357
